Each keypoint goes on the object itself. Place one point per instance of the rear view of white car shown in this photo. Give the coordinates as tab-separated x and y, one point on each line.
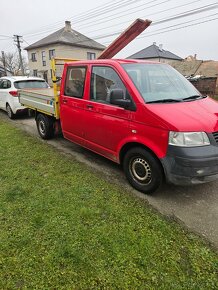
9	87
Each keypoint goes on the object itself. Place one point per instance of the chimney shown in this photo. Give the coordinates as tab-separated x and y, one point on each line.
67	26
195	56
154	43
161	47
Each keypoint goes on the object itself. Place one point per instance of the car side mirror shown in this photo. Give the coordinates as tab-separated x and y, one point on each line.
117	98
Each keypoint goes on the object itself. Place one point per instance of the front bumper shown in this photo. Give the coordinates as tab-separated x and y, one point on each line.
183	165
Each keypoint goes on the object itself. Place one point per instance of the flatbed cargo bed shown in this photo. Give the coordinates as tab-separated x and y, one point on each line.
41	100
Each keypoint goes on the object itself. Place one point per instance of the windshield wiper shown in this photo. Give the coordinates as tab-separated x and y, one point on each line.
194	97
164	101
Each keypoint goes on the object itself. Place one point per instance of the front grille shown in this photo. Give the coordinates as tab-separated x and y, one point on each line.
215	135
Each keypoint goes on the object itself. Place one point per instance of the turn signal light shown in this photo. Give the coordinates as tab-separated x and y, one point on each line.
14	93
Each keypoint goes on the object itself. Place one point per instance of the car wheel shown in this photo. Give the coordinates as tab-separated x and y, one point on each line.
143	170
9	111
45	126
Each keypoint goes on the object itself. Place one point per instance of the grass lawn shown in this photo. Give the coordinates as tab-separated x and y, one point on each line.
64	227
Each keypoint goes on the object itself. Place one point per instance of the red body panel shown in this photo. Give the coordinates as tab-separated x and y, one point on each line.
105	129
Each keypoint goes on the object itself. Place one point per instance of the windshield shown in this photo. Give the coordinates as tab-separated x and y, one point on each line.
31	84
160	82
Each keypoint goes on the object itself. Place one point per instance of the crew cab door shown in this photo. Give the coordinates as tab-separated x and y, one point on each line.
107	125
72	104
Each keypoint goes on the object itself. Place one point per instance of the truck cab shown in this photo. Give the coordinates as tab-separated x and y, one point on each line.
143	115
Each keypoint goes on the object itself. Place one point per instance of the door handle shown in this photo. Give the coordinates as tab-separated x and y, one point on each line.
64	101
89	106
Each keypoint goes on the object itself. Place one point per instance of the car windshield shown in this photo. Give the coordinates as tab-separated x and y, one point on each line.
159	83
30	84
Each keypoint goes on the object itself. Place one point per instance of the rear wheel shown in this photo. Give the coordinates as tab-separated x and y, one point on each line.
142	170
9	111
45	126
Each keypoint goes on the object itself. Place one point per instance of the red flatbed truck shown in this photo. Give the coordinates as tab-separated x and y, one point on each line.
143	115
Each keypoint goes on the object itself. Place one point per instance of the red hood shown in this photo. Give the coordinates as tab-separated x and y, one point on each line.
198	115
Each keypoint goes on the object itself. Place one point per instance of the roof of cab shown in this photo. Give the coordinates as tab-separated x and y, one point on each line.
110	61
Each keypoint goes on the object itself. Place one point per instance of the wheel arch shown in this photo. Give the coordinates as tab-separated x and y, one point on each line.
131	145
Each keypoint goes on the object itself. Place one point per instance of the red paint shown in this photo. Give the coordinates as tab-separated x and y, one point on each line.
105	128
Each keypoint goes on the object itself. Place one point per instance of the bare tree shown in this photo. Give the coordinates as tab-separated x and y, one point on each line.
12	63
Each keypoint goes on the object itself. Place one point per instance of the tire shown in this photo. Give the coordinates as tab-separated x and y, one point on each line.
9	111
45	126
142	170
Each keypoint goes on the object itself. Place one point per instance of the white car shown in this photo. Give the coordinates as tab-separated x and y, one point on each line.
9	87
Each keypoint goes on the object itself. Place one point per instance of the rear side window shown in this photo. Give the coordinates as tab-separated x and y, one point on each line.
5	84
31	84
75	82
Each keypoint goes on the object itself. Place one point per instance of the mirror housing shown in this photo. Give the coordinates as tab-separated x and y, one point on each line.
117	98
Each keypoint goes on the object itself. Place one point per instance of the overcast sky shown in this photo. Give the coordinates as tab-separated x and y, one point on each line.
193	29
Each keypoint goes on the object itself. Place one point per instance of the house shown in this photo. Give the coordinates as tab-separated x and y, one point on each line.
202	74
156	53
64	43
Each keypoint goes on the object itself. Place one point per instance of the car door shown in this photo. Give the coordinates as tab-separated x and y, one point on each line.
3	93
107	125
72	104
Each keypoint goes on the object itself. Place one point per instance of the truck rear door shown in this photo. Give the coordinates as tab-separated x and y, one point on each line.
72	104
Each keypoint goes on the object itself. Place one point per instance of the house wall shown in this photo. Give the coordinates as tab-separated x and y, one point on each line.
62	51
207	86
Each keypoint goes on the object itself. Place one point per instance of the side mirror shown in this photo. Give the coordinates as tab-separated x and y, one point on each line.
117	98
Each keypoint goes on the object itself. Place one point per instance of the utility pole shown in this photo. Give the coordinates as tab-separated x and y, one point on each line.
18	42
4	63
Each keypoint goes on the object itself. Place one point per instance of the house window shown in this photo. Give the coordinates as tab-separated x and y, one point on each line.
33	56
45	76
43	58
91	55
35	73
51	53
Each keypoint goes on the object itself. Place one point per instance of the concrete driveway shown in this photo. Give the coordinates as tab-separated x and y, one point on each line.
194	206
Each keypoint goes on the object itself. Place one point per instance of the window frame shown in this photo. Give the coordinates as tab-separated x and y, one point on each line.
33	57
127	93
89	53
51	53
84	84
43	58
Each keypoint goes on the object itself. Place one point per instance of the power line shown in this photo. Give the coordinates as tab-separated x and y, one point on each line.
152	14
101	9
106	19
163	20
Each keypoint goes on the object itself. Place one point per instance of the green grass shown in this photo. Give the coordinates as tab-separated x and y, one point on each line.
64	227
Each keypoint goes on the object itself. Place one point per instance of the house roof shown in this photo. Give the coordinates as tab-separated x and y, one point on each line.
197	67
67	36
153	51
187	68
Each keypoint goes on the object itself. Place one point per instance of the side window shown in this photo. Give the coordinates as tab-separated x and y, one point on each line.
75	82
8	84
103	80
5	84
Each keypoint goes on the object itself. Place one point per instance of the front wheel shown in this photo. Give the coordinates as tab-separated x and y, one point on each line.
45	126
143	170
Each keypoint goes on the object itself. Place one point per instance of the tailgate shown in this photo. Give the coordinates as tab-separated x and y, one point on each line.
41	100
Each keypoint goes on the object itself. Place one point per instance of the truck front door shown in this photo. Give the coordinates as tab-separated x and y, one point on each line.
107	124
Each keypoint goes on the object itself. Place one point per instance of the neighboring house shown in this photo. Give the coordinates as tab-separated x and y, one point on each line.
156	53
203	74
64	43
2	71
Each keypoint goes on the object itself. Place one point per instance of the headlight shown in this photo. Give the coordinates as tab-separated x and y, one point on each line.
188	139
